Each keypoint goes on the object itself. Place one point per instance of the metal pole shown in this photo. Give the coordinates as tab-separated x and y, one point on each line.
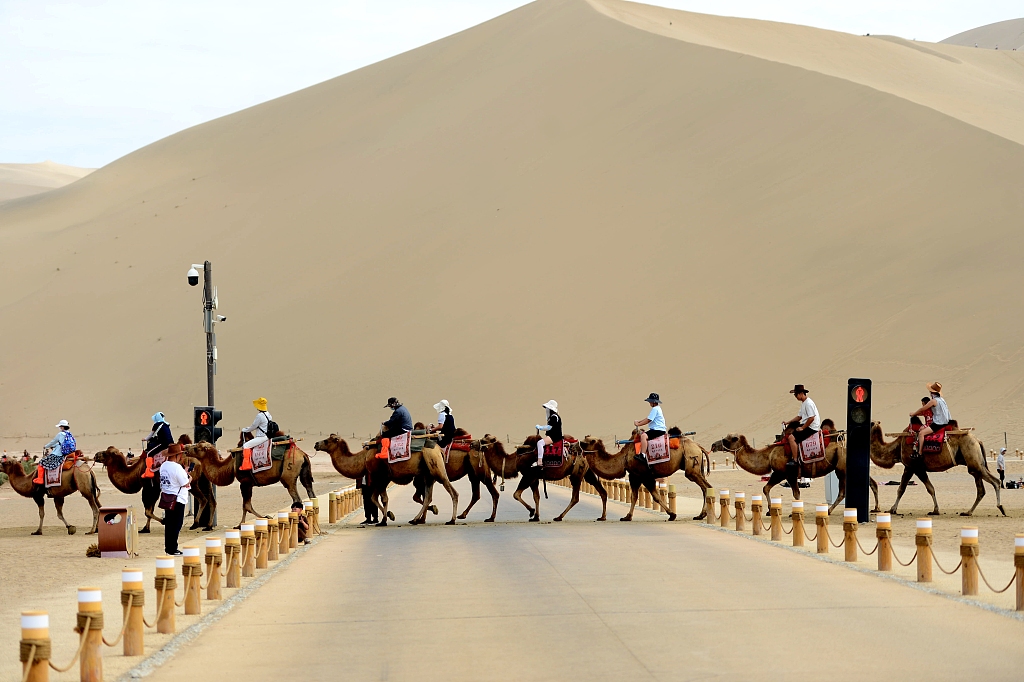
211	364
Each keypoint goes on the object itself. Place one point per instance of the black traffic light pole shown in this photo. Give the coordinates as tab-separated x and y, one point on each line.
211	338
858	447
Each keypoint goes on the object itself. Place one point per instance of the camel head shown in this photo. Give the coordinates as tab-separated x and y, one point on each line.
201	451
591	444
733	442
333	444
103	456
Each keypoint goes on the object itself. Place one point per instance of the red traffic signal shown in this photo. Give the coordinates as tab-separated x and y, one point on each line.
860	394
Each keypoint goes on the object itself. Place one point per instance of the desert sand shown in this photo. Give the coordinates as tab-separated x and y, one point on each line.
1004	35
576	200
26	179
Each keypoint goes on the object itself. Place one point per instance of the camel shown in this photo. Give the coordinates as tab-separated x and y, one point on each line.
127	477
965	449
689	456
78	478
427	464
295	468
470	464
772	459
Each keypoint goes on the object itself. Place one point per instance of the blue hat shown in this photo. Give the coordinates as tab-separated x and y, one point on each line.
158	417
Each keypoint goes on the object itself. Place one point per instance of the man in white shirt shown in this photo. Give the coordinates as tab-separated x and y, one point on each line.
808	422
174	481
656	419
1001	466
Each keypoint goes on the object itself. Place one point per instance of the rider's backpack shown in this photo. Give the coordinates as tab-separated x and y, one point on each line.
68	446
272	428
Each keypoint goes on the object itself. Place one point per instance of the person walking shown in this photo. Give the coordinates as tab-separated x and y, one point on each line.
1001	466
174	485
369	508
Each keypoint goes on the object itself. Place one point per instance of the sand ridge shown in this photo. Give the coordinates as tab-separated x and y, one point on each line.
26	179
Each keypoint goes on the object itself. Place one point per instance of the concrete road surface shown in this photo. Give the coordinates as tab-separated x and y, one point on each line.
646	600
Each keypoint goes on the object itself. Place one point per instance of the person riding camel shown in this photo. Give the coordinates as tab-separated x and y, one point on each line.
807	421
939	412
445	424
260	427
56	451
927	415
160	438
656	419
400	422
553	430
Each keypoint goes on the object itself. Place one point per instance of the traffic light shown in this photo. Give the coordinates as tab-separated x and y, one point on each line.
858	446
205	425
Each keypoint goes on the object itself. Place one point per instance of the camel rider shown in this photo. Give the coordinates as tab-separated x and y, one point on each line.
445	424
656	419
936	405
56	451
260	427
553	430
160	438
927	415
808	422
400	422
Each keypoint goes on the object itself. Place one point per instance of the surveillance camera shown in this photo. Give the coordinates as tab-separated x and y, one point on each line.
222	318
193	277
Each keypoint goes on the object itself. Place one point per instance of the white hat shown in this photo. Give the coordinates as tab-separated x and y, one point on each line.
63	422
551	405
440	407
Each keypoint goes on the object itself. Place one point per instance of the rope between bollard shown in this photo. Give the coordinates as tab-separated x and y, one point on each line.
867	553
783	525
159	608
124	624
81	645
1008	585
829	536
806	536
894	556
751	518
763	525
935	559
31	661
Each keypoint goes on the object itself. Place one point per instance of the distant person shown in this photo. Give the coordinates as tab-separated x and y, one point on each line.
552	430
1001	466
56	451
160	438
174	485
369	508
656	419
807	422
445	424
400	422
939	412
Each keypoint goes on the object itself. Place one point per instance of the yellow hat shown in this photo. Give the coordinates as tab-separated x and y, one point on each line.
260	404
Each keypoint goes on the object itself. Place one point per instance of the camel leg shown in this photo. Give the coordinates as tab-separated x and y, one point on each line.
247	507
417	487
594	480
978	481
923	475
494	498
841	477
907	474
524	483
874	489
776	478
435	464
994	482
58	502
428	497
536	498
474	484
633	488
40	499
657	496
573	499
704	486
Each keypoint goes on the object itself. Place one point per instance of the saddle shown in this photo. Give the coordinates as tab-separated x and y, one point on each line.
932	443
812	450
658	450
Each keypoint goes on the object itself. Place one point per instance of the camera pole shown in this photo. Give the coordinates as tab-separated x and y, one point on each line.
211	338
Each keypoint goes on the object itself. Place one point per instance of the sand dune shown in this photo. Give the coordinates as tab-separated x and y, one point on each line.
25	179
571	201
1005	35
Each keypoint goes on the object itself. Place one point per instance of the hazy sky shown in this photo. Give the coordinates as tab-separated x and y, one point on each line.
83	83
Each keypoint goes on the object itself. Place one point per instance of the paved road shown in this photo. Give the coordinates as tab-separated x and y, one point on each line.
581	600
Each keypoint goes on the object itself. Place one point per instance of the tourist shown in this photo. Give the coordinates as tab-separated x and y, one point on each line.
369	508
939	412
174	485
552	430
1001	466
656	419
400	422
445	424
160	438
56	451
260	427
303	523
807	421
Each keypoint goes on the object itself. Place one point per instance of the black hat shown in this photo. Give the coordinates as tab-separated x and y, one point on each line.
393	403
653	398
799	388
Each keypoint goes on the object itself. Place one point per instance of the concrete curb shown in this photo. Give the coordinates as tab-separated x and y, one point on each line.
921	587
167	651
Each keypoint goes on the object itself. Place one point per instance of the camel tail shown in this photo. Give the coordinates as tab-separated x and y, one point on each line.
984	457
705	461
306	474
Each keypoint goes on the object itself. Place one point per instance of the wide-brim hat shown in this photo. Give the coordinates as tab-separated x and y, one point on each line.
260	404
799	388
551	405
441	406
935	387
174	449
393	402
653	398
63	422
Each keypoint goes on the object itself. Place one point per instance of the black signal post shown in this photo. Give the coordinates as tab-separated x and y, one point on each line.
205	429
858	446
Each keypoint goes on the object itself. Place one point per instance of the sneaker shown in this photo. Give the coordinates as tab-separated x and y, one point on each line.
176	552
536	464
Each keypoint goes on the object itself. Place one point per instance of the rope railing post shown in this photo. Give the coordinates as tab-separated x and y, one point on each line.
923	540
969	551
132	599
214	558
284	532
883	531
192	571
90	625
332	507
671	498
723	500
35	646
741	515
248	533
232	550
821	521
314	516
165	584
293	538
262	532
796	514
775	509
756	507
709	507
850	535
273	539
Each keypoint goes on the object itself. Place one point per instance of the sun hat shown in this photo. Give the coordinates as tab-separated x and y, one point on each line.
64	423
159	417
653	398
260	404
551	405
393	403
441	406
935	387
799	388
